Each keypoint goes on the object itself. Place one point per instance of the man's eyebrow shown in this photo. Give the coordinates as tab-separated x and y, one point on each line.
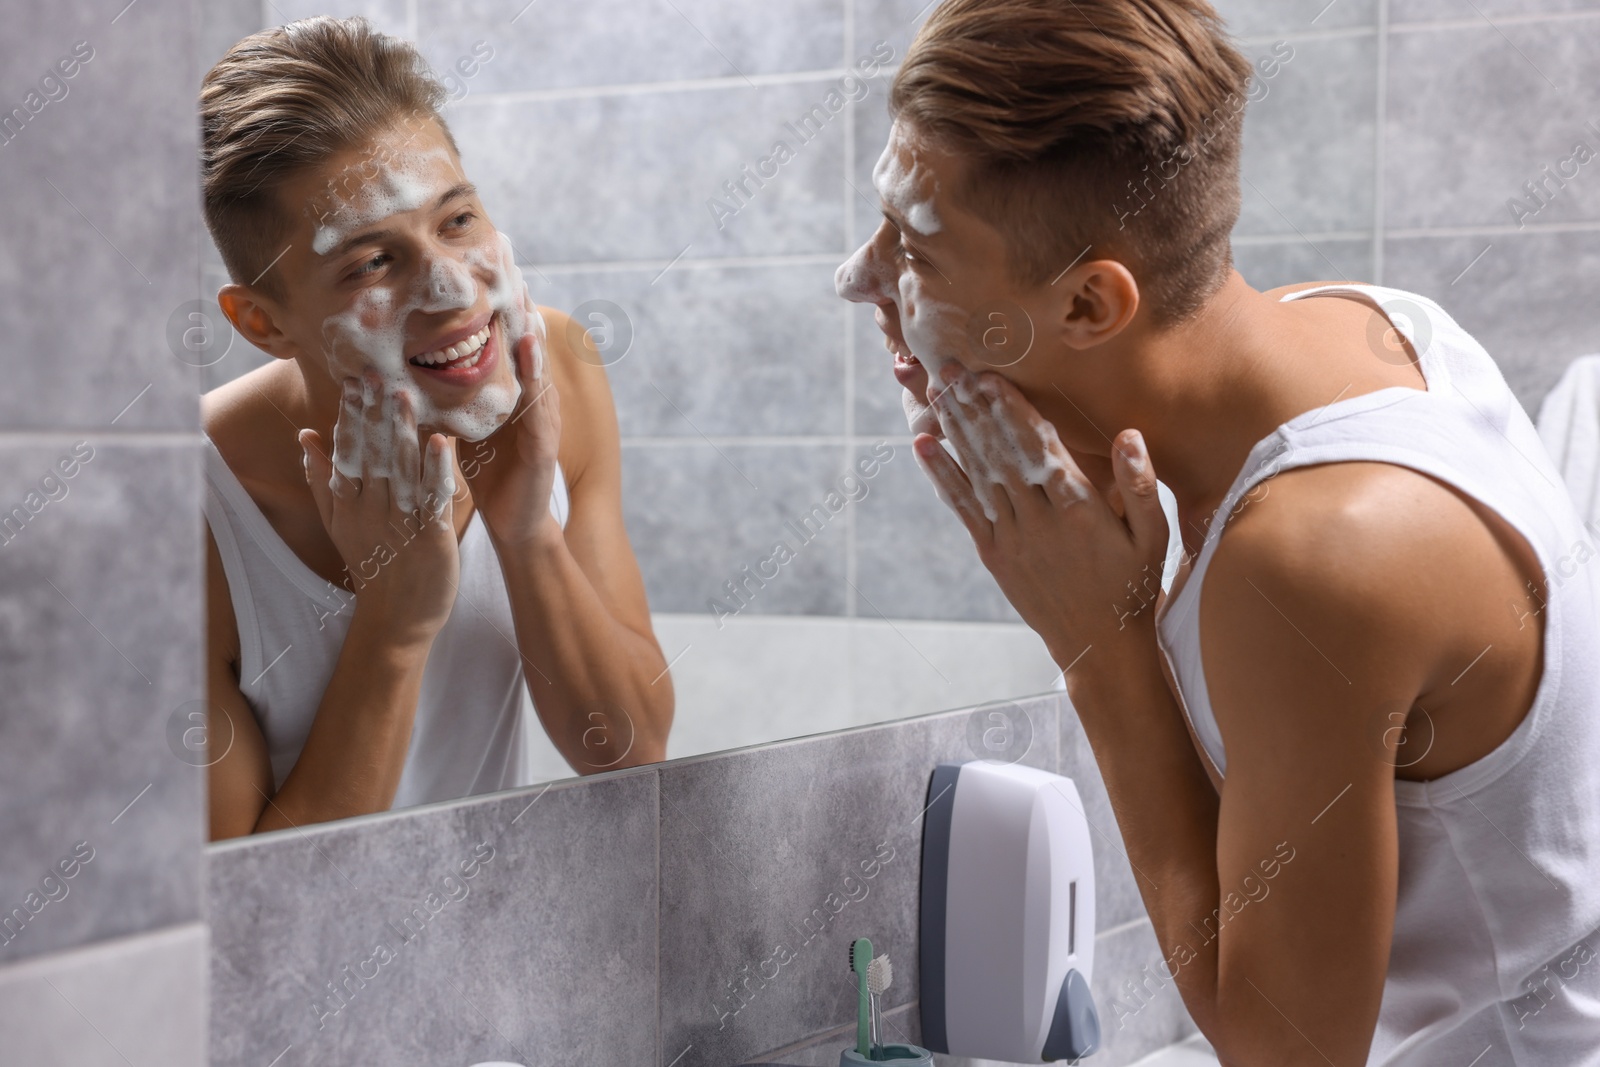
901	224
460	189
455	192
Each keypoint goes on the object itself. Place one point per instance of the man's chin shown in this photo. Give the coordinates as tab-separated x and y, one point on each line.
468	430
480	416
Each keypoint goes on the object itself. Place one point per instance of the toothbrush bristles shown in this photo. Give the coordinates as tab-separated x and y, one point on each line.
880	974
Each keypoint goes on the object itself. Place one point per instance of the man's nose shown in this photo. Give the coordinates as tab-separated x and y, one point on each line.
447	284
862	278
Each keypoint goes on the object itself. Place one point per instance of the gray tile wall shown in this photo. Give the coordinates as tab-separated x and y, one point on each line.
1390	148
633	917
519	927
102	955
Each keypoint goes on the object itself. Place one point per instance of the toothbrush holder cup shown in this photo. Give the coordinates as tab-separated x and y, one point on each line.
904	1055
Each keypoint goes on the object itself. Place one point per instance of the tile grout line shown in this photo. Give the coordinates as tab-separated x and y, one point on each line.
802	259
1060	703
1524	19
1250	240
601	266
1531	229
1383	26
578	92
97	435
766	441
1379	157
679	85
121	946
805	1044
852	528
1256	40
1122	928
661	1036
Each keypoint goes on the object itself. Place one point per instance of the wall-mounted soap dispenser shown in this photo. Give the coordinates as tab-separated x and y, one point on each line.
1007	922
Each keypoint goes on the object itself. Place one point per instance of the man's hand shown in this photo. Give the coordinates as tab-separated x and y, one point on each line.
512	488
388	509
1076	564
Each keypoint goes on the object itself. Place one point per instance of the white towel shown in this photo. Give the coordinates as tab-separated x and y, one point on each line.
1569	425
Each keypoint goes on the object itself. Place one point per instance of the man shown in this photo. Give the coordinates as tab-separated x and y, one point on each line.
1366	821
380	613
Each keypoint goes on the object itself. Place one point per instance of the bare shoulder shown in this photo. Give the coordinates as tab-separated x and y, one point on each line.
239	414
588	417
1381	560
1347	529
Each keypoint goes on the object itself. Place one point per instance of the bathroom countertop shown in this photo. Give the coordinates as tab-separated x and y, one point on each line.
1194	1052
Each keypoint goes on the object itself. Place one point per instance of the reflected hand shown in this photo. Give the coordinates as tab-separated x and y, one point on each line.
513	486
387	505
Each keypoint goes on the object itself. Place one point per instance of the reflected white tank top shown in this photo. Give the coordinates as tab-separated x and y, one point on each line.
1496	952
475	730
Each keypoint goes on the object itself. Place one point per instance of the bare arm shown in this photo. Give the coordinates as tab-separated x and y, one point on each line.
1275	905
239	776
355	751
594	669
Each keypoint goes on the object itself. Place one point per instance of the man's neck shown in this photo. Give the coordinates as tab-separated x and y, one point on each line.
315	398
1203	393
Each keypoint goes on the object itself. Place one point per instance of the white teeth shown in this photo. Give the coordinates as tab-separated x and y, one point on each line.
471	345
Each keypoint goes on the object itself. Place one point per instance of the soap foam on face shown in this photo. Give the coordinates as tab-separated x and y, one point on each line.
371	331
933	330
399	184
905	185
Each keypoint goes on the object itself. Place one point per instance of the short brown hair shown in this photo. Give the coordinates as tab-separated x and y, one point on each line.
1064	111
288	98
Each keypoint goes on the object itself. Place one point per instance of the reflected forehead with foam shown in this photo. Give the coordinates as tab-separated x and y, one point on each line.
397	173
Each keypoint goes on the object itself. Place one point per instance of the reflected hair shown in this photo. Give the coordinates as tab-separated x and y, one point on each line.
284	100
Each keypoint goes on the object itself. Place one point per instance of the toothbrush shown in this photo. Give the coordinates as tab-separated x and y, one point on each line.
880	972
860	963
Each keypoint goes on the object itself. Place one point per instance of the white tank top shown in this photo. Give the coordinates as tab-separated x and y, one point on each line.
475	730
1496	952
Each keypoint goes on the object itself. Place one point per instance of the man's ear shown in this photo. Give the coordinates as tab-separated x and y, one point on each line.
1098	301
255	316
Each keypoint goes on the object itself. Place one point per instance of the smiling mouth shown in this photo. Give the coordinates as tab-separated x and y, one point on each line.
902	354
462	355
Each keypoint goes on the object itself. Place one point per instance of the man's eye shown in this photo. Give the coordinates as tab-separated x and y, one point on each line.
371	265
